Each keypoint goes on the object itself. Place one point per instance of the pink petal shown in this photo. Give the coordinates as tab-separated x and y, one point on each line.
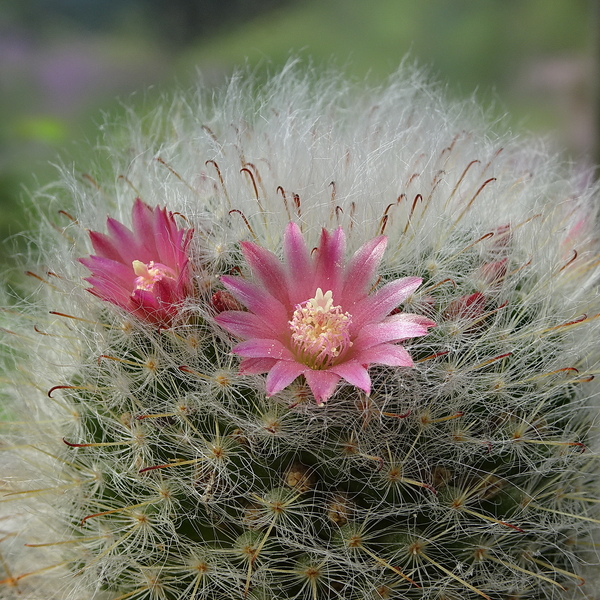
329	263
105	247
144	305
165	290
171	243
110	291
166	238
493	272
466	307
395	328
260	302
282	374
385	354
186	238
110	270
143	218
354	373
256	366
263	348
125	241
300	273
378	305
269	270
321	383
183	279
145	299
222	301
361	270
420	319
244	324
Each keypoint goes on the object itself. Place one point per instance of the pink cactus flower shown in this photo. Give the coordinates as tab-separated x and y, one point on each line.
143	270
314	316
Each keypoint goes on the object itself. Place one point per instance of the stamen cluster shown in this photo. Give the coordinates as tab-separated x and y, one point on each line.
320	331
148	275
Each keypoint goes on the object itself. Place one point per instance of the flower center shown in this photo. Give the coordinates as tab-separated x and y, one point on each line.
150	274
320	331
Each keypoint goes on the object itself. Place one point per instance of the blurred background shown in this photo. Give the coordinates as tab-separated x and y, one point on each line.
65	64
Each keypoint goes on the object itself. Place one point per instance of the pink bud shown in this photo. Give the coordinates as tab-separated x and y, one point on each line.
492	272
466	307
224	300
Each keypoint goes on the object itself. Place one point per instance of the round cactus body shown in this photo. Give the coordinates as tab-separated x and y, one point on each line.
330	343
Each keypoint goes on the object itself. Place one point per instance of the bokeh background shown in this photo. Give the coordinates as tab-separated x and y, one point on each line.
66	64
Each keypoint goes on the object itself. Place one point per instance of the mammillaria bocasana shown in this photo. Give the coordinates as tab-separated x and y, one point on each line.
142	459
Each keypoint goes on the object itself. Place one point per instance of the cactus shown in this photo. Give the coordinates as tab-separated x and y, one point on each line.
440	442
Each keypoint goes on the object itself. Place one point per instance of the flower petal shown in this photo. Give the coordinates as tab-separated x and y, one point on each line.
269	270
109	291
393	355
322	383
143	222
244	324
126	242
329	262
263	348
375	307
109	270
167	238
166	292
256	366
397	328
105	247
361	270
144	305
354	373
282	374
469	307
300	273
145	299
257	300
183	279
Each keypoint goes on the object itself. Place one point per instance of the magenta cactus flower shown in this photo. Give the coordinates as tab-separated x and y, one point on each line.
144	270
313	316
